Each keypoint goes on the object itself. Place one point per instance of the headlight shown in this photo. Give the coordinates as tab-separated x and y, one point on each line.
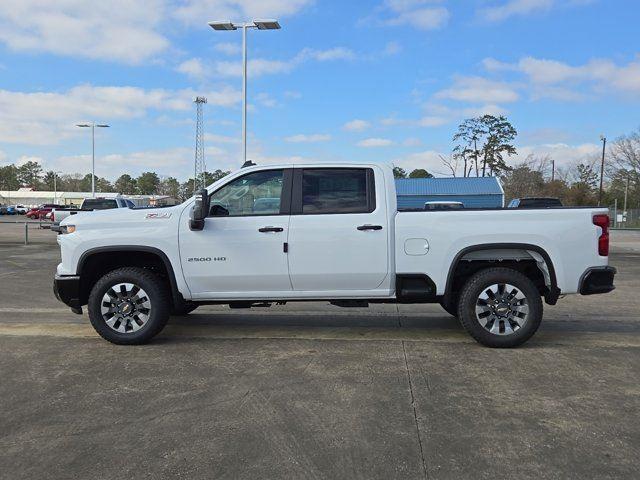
67	229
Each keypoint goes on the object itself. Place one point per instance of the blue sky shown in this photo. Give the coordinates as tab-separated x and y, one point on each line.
385	81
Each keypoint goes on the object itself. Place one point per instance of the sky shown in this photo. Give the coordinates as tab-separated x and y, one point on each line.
381	80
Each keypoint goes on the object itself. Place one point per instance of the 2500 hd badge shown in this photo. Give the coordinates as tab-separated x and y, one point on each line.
207	259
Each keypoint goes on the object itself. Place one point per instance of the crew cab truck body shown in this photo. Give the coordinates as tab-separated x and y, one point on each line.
333	233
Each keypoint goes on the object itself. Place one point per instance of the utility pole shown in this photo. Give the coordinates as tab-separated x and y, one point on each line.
199	166
624	210
553	169
604	146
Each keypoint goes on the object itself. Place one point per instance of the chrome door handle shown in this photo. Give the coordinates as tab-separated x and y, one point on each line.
270	229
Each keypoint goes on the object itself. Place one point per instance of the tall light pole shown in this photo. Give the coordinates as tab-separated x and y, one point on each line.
260	25
604	146
93	126
55	187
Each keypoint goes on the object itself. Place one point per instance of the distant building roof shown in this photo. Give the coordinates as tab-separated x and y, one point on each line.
449	186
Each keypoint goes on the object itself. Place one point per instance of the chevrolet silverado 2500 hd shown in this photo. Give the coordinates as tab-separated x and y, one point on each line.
327	232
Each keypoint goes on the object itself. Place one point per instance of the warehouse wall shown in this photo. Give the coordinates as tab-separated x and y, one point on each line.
469	201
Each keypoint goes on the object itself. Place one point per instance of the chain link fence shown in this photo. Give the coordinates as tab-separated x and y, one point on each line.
624	219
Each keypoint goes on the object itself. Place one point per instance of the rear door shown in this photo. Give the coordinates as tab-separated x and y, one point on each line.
338	239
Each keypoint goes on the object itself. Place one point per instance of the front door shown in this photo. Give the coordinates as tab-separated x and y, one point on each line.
241	248
338	237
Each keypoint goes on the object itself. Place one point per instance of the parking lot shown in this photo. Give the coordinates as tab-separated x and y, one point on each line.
310	390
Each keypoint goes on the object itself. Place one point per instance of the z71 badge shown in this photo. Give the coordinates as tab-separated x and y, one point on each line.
157	216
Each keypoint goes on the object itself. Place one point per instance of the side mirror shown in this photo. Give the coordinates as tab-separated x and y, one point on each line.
200	210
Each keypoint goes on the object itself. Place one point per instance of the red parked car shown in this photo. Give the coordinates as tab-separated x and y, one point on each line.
41	211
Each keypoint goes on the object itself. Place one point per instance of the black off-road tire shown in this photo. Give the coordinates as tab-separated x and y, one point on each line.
183	308
483	280
156	291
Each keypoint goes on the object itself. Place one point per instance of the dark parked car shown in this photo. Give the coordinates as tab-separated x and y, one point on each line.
535	202
3	210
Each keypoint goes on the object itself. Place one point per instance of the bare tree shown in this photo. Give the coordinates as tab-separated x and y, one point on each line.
451	163
625	152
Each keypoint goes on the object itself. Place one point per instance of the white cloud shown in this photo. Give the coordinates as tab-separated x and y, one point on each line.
561	81
478	89
266	100
434	120
312	138
261	66
392	48
192	68
228	48
336	53
46	118
28	158
118	30
375	142
515	8
214	138
563	153
292	94
255	67
428	159
412	142
356	125
420	14
121	30
195	11
423	19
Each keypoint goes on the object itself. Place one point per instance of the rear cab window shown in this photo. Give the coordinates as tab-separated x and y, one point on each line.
99	204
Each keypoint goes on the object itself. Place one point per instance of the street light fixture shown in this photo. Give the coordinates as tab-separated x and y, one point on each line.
260	25
93	127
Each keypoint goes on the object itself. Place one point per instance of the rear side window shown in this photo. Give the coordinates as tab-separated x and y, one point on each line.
337	190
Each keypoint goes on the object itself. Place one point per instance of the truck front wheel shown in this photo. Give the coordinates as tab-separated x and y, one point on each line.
129	306
500	307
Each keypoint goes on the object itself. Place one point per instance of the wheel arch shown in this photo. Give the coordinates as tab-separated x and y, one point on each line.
553	292
100	260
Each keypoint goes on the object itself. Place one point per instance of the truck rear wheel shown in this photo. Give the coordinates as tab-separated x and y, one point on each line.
129	306
500	307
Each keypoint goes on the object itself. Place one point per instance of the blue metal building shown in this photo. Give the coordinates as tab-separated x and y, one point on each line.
473	192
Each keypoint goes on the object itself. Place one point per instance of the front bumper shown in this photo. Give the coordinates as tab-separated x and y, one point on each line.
597	280
66	288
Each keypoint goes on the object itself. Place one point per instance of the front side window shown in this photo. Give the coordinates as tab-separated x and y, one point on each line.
335	191
257	193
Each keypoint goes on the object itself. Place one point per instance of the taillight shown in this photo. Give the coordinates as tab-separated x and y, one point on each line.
602	221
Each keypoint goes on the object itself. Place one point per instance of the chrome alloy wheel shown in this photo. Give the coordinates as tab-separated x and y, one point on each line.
125	307
502	309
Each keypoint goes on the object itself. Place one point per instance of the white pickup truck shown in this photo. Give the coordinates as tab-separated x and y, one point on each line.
332	232
89	205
